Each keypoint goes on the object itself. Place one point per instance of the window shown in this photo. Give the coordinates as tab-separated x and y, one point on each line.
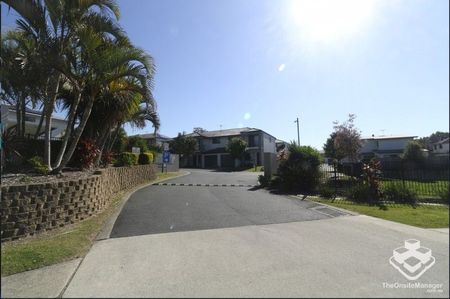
253	140
440	145
216	140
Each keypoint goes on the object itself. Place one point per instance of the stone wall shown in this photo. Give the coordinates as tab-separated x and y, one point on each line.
30	209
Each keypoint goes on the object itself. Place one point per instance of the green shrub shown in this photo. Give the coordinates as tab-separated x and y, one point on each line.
126	159
301	169
38	165
326	191
145	158
399	194
444	195
154	153
361	193
275	182
137	141
264	180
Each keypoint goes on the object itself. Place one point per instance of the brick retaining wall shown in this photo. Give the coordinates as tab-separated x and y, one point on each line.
30	209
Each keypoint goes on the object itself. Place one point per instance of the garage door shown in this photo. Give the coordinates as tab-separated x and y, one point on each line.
211	161
226	161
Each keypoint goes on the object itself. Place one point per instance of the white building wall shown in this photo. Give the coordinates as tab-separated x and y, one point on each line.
393	144
207	143
269	144
368	146
443	150
9	119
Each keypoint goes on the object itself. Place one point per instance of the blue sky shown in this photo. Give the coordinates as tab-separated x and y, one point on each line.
263	63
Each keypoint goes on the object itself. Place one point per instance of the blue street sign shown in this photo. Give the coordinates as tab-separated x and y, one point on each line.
166	157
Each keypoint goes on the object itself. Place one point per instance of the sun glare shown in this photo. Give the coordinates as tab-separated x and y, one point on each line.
329	20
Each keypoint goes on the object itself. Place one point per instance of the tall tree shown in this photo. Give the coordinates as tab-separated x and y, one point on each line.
426	142
347	139
51	24
183	145
413	152
236	147
106	64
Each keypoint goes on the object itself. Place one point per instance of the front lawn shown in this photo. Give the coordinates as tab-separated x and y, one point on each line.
422	215
423	189
255	169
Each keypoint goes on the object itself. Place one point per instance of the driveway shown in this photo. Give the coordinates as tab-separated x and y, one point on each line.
199	241
164	209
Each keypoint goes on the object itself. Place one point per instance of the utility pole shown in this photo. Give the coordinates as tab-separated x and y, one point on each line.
298	132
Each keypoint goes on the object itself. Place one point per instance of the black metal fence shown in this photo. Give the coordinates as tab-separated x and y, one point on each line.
429	182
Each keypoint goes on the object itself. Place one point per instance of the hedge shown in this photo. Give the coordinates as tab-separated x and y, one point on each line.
145	158
127	159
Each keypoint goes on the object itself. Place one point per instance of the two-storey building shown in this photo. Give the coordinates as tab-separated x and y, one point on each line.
212	147
384	146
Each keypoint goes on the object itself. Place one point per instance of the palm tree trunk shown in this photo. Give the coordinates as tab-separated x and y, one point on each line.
48	110
23	112
38	130
77	134
112	141
104	138
18	118
72	114
41	120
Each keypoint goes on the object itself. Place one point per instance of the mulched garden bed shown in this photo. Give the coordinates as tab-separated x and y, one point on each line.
31	178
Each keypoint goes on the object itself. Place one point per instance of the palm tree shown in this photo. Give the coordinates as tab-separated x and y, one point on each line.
19	75
51	24
91	67
108	66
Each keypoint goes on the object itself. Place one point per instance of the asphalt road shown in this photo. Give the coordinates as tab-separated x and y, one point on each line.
197	241
163	209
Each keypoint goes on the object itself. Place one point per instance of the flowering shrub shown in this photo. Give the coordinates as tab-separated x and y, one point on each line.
372	177
85	154
283	155
107	157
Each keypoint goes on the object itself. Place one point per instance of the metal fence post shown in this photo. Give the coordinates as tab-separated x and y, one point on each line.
335	180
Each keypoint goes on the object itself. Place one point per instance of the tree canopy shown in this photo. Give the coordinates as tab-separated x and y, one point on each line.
345	141
183	145
413	152
80	59
236	147
433	138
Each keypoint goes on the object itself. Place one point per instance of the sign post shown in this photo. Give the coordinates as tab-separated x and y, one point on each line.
166	159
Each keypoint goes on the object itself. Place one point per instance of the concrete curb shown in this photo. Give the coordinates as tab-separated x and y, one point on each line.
105	232
329	206
45	282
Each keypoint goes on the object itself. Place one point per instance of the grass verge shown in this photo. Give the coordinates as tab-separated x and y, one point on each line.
423	189
58	245
166	175
257	169
422	215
